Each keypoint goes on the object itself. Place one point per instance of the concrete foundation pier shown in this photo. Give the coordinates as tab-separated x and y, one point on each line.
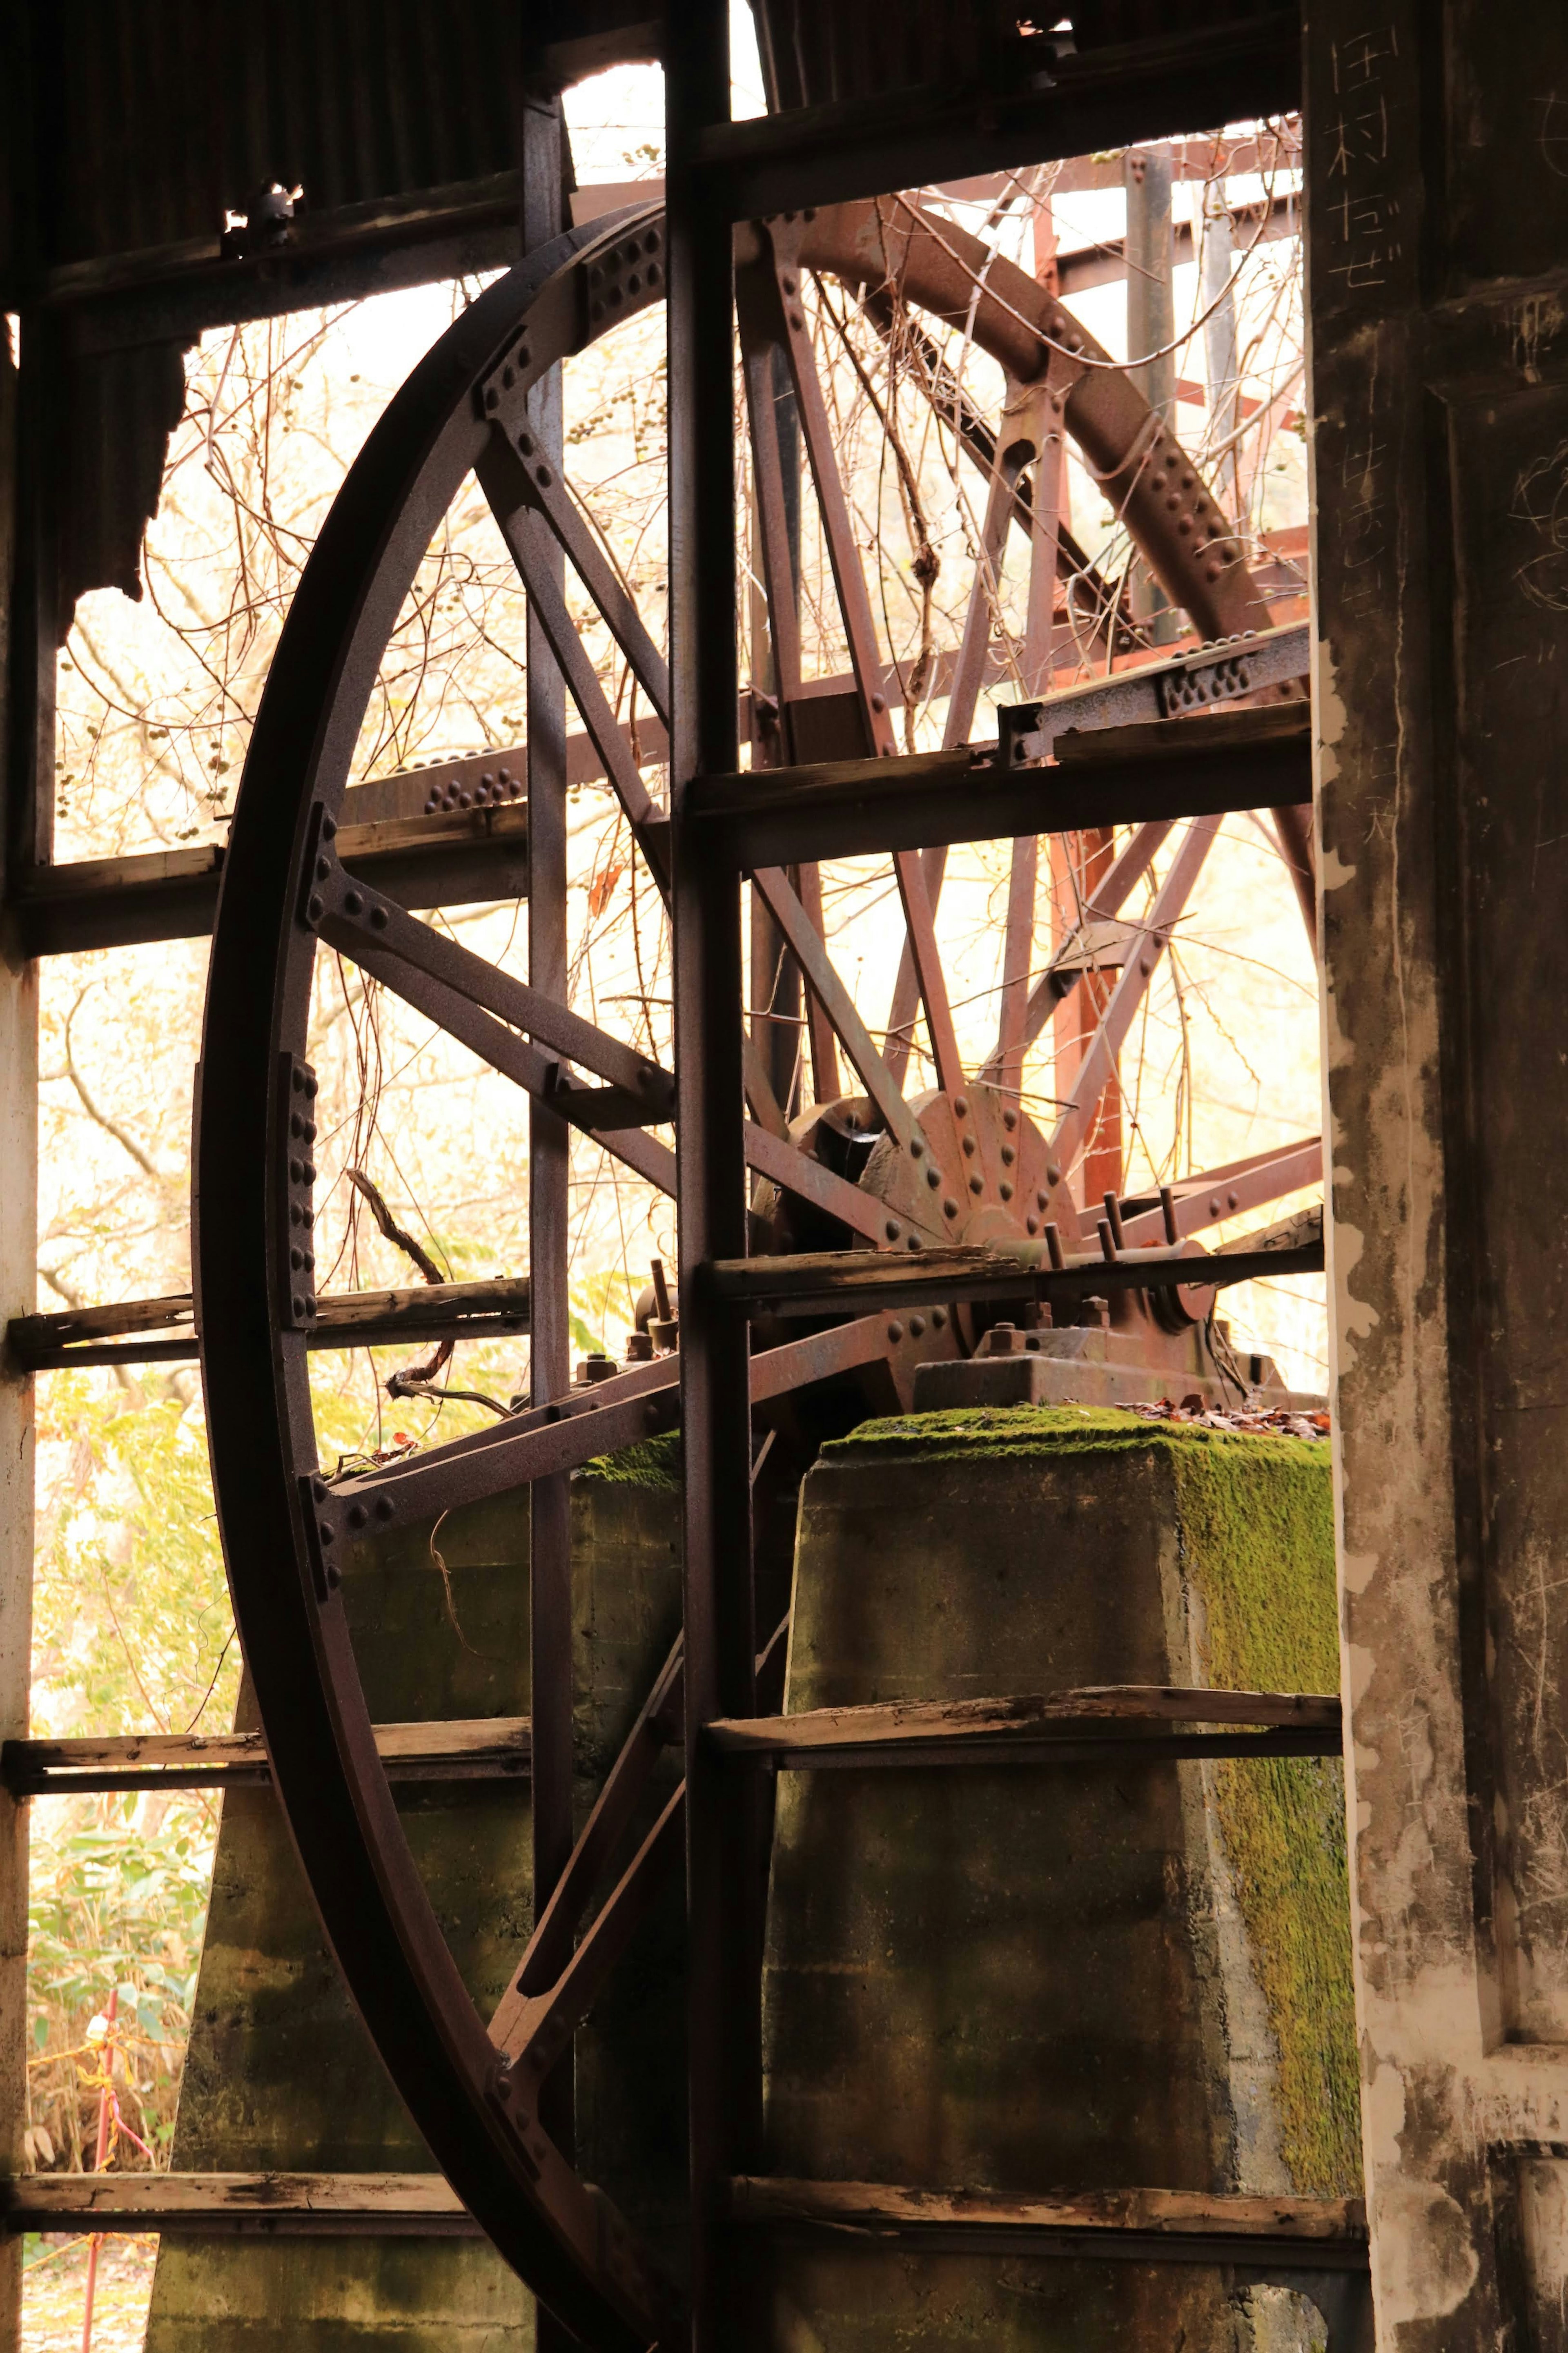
1026	1978
281	2073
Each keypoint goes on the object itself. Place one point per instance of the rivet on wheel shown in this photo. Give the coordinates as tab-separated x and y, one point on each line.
326	1531
917	1325
1032	1223
354	905
357	1516
1053	1175
939	1318
1006	1189
313	909
961	1106
892	1230
895	1329
950	1209
933	1178
977	1182
378	919
384	1507
917	1146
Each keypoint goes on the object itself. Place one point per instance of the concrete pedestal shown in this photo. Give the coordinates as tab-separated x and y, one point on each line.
281	2073
1026	1977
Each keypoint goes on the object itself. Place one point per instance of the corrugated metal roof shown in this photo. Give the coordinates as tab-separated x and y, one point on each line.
147	118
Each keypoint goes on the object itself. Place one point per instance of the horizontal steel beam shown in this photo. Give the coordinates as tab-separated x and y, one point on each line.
1158	772
477	1748
238	2205
161	1331
824	1282
172	294
1080	106
1065	1727
451	859
1136	2225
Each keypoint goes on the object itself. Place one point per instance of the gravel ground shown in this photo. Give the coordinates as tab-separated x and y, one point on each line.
54	2292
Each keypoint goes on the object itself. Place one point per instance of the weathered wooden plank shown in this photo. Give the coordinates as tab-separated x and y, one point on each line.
358	1319
854	1281
1183	2225
326	2205
477	1748
1030	1727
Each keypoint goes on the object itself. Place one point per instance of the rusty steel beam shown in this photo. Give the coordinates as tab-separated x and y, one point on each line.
1227	760
1078	106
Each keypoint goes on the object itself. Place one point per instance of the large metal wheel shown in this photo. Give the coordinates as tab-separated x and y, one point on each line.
863	1164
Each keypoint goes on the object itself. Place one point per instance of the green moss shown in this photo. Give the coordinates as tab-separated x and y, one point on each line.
1257	1534
651	1462
1256	1530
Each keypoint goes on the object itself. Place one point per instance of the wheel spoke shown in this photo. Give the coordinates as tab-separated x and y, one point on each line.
964	695
1062	976
604	1112
1017	954
538	483
524	532
782	1165
921	946
573	1431
1146	947
829	990
826	1084
549	1950
1220	1192
539	2024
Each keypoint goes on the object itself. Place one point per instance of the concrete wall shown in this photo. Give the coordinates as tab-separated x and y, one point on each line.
281	2071
1035	1977
1438	214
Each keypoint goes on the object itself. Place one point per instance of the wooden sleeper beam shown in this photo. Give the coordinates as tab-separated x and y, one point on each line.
1059	1727
479	1748
1137	2225
238	2205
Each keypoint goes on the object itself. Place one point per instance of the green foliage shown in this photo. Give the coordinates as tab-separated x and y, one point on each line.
133	1632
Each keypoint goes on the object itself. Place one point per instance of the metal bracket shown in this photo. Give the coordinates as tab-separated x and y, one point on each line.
296	1196
1203	680
1019	742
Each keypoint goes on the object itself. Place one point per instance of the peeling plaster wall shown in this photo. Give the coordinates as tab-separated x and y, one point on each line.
1438	233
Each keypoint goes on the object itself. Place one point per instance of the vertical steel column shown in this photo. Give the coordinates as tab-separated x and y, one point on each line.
548	1168
776	994
1150	332
32	659
723	1970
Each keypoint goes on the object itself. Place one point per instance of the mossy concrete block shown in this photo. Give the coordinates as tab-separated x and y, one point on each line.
1035	1977
281	2071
